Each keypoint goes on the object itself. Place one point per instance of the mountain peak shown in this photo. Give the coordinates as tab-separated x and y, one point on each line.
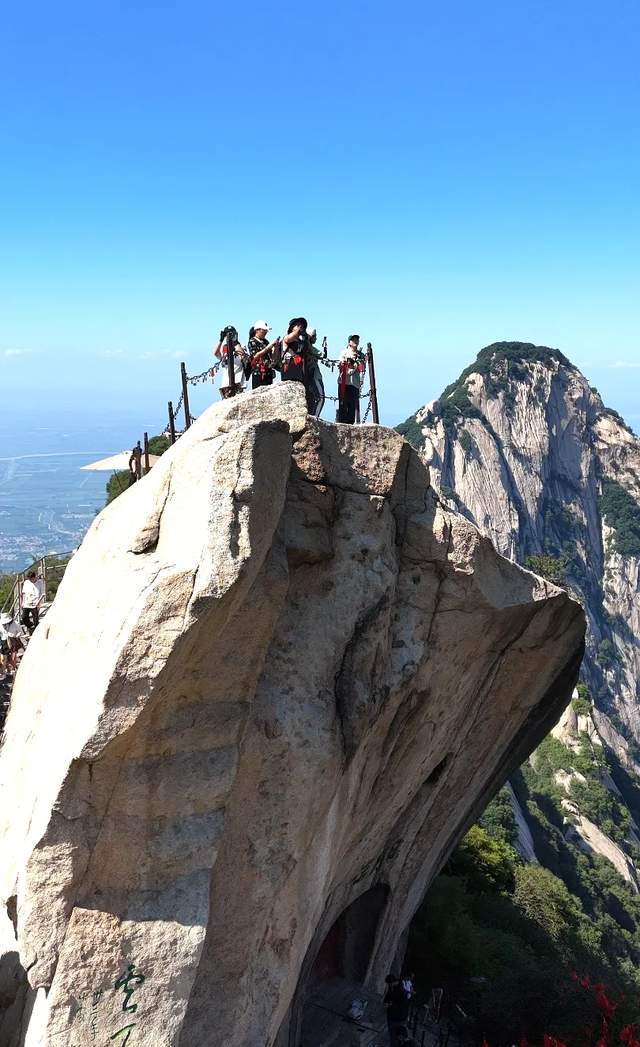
501	374
498	364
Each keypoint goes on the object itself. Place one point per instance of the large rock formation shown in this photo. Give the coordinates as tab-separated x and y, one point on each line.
524	447
279	681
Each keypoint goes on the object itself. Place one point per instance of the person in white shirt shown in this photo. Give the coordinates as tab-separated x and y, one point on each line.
30	601
240	358
351	374
10	641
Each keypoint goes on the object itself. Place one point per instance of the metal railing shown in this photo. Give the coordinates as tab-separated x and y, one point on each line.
50	568
182	403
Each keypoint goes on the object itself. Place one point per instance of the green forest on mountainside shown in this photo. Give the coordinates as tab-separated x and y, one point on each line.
515	944
505	939
622	513
499	364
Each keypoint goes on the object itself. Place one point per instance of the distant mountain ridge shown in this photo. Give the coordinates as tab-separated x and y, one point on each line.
524	447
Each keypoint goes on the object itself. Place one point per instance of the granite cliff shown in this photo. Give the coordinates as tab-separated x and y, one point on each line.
526	449
298	679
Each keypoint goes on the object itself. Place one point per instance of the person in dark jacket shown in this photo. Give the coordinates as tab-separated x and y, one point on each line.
261	355
295	351
313	375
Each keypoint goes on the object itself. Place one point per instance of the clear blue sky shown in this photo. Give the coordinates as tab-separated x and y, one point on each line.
434	176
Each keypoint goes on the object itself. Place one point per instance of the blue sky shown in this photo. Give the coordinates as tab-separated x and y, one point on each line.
434	176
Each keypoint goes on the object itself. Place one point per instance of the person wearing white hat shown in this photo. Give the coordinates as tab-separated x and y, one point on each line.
11	637
261	355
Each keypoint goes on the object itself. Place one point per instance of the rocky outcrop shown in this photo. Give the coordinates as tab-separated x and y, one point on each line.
524	844
279	681
526	449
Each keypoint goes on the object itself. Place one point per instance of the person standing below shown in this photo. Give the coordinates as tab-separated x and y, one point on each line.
30	601
313	378
135	464
397	1005
230	388
11	636
295	349
42	590
351	376
5	648
261	355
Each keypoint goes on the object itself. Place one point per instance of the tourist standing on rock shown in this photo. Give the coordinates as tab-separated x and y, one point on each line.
30	601
313	379
295	351
351	375
261	355
397	1004
240	358
42	590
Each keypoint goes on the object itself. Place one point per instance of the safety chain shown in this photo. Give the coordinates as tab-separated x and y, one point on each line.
212	371
209	373
193	380
364	396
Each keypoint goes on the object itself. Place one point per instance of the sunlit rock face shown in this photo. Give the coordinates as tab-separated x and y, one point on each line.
525	448
278	675
541	466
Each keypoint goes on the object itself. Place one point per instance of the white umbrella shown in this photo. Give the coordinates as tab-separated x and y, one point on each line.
116	462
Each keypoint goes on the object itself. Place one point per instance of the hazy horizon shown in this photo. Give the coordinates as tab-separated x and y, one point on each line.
148	409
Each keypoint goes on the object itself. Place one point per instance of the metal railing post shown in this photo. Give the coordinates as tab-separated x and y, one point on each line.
185	396
231	365
172	424
372	383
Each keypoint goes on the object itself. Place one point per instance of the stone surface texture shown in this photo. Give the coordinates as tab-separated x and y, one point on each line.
278	672
527	465
529	474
